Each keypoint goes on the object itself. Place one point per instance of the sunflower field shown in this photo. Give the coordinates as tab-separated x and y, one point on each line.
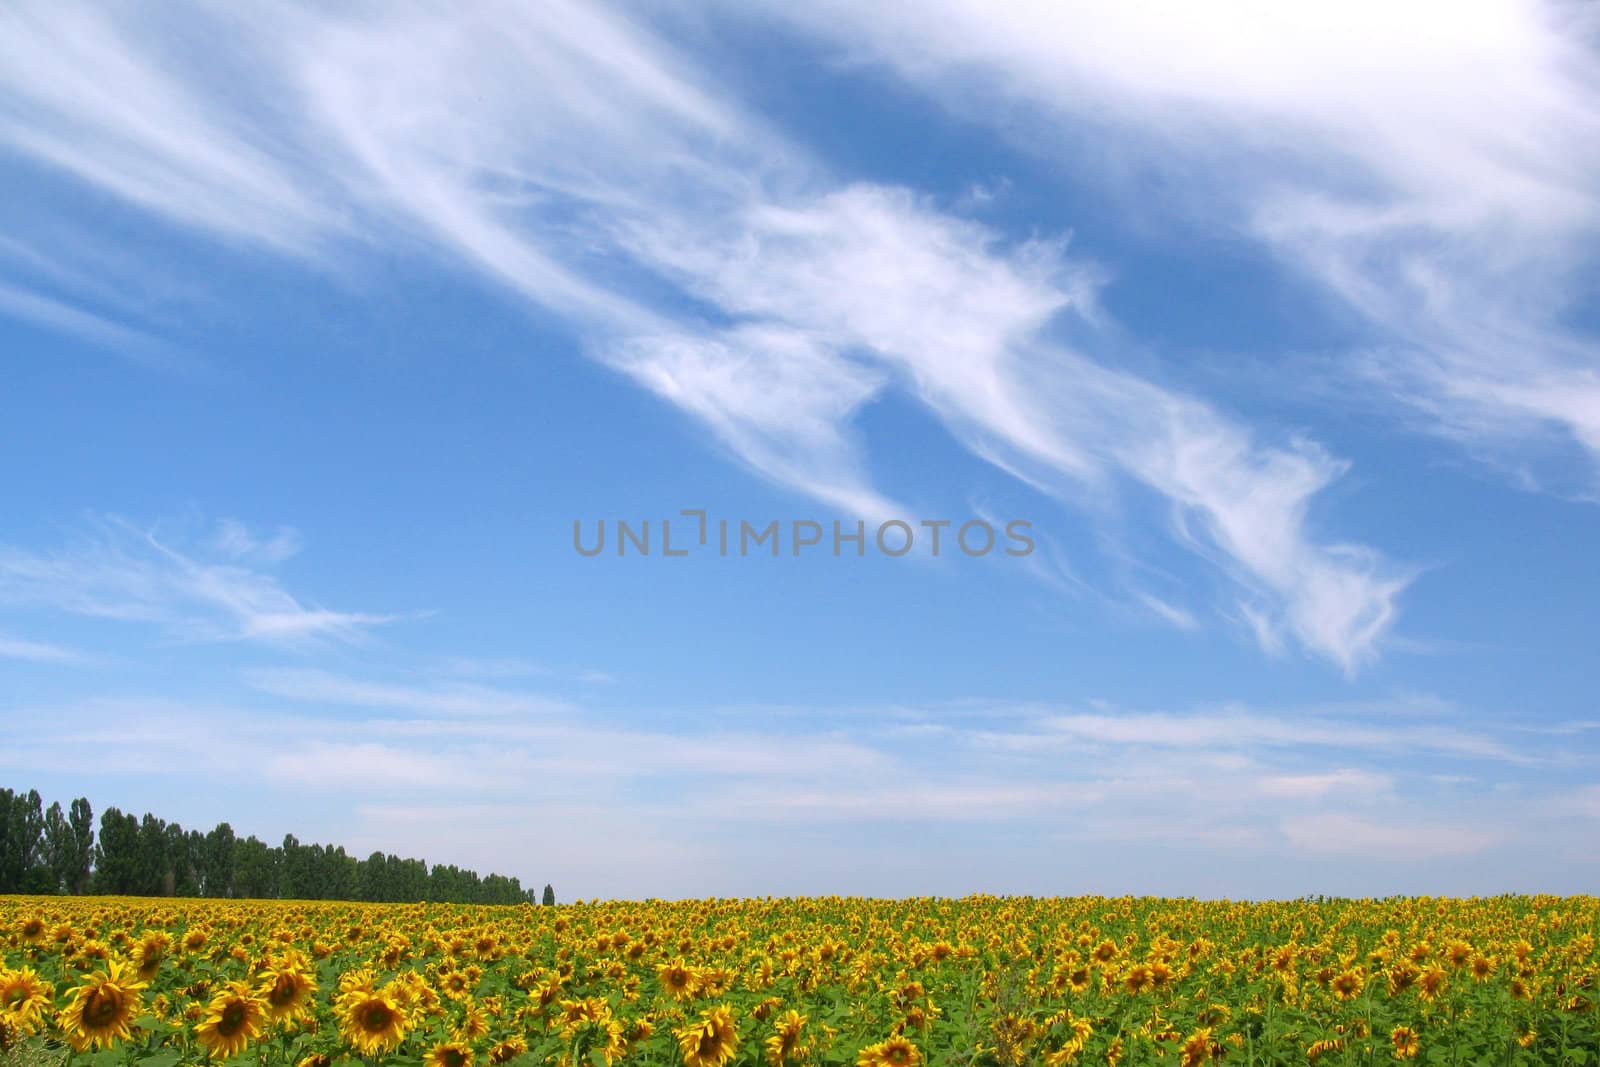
829	982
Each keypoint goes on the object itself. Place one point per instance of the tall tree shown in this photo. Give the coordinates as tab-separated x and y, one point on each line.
549	895
80	817
255	869
117	856
221	850
21	839
58	847
185	879
294	875
154	866
199	862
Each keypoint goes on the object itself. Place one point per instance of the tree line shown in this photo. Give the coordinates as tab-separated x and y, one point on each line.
55	850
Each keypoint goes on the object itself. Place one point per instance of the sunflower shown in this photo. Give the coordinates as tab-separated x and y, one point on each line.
150	952
679	980
455	984
1327	1044
549	989
1347	985
234	1018
371	1021
1432	983
473	1024
509	1049
616	1042
576	1013
1063	1056
784	1045
413	993
32	930
895	1052
1402	976
23	998
711	1041
288	993
1196	1050
1405	1042
102	1010
449	1054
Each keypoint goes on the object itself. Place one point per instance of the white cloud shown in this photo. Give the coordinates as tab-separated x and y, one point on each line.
1172	614
924	802
1346	835
123	572
961	322
363	767
56	315
448	698
1246	729
573	157
93	94
1432	165
237	541
1349	785
39	651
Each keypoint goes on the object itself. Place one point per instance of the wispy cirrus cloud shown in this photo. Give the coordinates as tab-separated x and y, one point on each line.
39	651
1433	168
1344	782
51	313
571	155
1247	730
1335	834
100	97
441	698
193	592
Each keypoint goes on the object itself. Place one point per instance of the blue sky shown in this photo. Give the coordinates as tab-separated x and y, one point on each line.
1277	323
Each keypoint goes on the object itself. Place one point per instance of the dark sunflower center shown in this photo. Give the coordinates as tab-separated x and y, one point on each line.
283	991
377	1018
102	1009
233	1017
453	1058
